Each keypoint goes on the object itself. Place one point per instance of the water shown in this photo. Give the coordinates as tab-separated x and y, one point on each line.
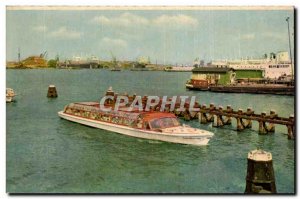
46	154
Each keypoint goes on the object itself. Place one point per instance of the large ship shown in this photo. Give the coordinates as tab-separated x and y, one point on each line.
273	66
272	74
78	62
141	124
179	69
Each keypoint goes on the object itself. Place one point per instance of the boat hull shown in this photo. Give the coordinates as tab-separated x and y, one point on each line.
259	89
198	140
10	94
9	99
199	88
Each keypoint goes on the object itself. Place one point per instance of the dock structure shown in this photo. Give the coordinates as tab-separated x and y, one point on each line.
221	117
244	119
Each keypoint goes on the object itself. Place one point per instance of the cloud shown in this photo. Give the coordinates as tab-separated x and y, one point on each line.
179	20
275	35
40	28
114	42
63	32
249	36
126	19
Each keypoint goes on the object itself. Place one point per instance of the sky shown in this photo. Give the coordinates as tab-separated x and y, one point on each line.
165	36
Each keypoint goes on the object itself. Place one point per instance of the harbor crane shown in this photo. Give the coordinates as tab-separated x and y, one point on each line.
114	59
43	55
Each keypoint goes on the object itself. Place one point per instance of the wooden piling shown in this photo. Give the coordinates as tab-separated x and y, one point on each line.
52	93
219	120
291	129
248	122
210	117
203	118
262	129
186	116
240	126
271	126
227	120
260	177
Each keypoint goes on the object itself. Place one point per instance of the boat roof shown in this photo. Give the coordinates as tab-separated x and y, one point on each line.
122	112
147	116
88	103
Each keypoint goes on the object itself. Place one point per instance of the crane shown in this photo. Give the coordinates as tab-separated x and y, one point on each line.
114	59
43	55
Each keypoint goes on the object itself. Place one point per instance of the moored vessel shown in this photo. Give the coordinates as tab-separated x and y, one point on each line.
141	124
115	69
10	94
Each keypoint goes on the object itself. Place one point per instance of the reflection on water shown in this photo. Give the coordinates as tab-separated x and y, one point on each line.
49	154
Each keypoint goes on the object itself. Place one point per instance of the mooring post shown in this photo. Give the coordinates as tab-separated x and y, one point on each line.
52	93
186	116
262	124
227	120
203	117
239	122
260	173
176	112
291	128
193	114
219	122
248	123
110	93
210	117
271	126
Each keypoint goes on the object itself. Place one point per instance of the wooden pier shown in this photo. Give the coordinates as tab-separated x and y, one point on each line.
221	117
244	119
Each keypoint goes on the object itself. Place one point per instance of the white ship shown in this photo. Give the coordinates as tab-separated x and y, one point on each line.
179	68
10	94
272	66
147	125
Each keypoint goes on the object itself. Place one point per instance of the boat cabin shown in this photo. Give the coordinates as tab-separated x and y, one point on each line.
134	119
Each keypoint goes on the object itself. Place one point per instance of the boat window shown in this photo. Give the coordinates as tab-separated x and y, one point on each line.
146	125
139	123
164	123
116	120
105	118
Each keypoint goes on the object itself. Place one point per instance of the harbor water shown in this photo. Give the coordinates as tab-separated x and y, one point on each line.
46	154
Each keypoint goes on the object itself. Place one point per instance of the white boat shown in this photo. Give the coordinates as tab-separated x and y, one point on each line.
147	125
179	69
272	66
10	94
